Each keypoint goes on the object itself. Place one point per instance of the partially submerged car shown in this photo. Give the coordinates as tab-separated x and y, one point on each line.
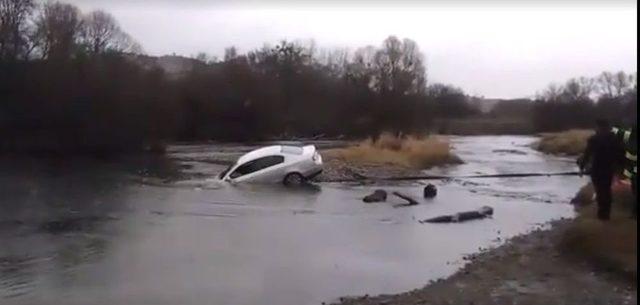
291	165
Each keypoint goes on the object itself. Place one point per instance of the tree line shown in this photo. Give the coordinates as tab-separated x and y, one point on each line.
577	103
580	101
70	81
76	82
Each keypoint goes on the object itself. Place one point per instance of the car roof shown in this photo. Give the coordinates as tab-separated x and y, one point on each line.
271	151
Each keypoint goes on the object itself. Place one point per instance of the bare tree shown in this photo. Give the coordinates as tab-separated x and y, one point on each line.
621	83
127	44
400	67
386	63
588	85
230	53
13	32
605	84
450	101
553	93
292	55
365	56
334	61
414	74
202	57
58	30
309	46
102	33
360	70
579	88
437	89
612	85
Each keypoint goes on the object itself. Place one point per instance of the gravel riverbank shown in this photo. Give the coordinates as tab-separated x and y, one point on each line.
528	269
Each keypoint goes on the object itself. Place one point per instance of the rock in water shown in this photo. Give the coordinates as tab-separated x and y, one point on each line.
430	191
376	196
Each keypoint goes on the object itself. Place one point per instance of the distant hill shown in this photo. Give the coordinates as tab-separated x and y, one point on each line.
487	105
174	66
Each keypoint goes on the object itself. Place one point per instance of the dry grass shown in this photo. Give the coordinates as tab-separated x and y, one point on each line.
412	152
570	142
612	245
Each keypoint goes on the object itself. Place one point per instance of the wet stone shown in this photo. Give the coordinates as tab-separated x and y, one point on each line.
376	196
430	191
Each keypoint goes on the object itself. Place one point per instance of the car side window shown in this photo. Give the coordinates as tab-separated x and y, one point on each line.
256	165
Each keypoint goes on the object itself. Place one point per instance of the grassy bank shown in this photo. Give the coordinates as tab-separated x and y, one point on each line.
570	142
410	152
611	245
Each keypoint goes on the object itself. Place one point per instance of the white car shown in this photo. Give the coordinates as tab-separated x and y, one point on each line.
291	165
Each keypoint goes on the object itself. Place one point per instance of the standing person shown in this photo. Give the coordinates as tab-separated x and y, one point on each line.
630	140
602	155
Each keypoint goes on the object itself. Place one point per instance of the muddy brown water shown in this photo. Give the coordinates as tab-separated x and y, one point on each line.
89	233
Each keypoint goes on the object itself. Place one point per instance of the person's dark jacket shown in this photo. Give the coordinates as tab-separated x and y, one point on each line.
604	154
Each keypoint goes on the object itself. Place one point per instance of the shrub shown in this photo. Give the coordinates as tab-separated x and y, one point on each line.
413	152
571	142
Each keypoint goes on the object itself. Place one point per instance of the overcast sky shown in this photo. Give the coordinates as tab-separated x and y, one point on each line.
494	49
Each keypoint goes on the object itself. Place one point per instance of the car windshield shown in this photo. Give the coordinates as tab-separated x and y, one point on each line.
225	171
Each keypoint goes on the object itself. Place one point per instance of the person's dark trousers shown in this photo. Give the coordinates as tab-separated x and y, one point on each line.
602	185
634	189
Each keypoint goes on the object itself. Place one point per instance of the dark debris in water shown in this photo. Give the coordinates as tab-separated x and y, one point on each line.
73	224
484	212
10	224
303	212
409	199
510	151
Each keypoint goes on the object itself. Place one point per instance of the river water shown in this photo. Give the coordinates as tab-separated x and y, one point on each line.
92	232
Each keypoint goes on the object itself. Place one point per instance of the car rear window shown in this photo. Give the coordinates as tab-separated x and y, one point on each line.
294	150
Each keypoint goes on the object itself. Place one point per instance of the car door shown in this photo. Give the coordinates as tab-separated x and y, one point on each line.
258	170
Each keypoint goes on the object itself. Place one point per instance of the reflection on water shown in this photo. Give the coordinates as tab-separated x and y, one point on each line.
90	234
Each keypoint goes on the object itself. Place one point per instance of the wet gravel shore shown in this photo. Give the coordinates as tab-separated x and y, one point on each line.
528	269
339	170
